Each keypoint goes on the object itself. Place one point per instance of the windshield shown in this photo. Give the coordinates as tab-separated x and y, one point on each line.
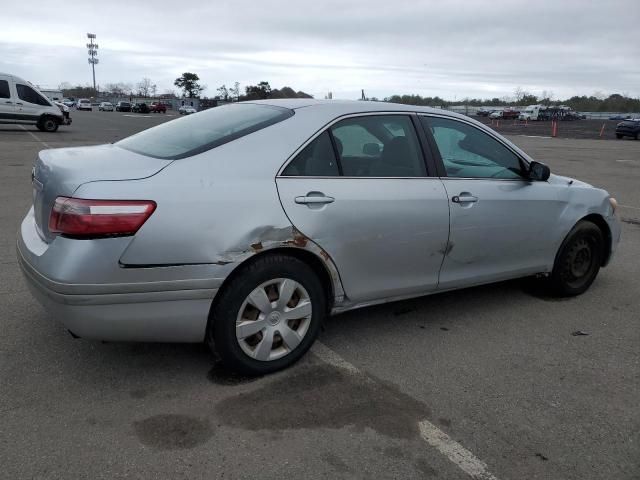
203	131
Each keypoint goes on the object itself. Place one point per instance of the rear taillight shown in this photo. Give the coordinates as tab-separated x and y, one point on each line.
81	218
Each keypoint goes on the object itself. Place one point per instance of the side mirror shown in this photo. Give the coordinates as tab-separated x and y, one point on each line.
539	172
372	149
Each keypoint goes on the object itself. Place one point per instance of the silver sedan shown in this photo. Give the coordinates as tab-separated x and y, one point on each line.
245	225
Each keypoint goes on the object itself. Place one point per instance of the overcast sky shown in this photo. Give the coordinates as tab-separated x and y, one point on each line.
450	48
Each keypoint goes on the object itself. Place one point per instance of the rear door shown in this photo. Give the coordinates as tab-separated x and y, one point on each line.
502	224
362	192
7	107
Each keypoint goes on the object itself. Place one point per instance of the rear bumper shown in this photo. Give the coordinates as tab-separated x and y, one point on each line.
161	304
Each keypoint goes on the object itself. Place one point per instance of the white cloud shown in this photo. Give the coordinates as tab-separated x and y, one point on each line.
453	48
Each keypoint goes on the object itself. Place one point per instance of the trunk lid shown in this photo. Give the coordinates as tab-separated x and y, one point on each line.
59	172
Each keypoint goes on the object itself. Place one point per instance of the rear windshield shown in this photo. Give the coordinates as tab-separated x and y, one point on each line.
203	131
85	101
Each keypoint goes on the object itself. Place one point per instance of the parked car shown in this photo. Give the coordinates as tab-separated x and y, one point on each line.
186	110
628	128
123	107
105	107
140	108
484	112
620	117
180	233
158	107
506	114
69	102
22	103
84	104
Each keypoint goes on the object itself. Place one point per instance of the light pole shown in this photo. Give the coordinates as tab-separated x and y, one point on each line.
93	53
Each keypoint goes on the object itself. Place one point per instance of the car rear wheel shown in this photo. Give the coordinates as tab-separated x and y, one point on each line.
268	316
578	260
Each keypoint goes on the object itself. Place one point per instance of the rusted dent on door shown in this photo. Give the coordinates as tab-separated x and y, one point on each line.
264	238
297	238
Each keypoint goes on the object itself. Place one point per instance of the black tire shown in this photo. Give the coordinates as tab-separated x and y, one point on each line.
618	135
221	331
48	124
578	260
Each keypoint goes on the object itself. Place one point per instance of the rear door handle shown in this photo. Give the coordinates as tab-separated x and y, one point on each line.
464	199
8	102
313	200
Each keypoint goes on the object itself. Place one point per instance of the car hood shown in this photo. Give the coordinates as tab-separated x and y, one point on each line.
561	180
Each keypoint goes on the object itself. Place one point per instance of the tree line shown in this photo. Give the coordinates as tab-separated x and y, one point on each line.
190	87
596	102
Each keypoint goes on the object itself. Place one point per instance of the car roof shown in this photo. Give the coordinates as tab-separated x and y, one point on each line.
344	107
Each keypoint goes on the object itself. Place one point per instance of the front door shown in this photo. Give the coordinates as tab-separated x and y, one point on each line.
7	107
29	103
361	191
500	220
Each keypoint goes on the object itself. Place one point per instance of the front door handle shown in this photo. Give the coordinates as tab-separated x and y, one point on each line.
8	102
464	198
313	200
18	103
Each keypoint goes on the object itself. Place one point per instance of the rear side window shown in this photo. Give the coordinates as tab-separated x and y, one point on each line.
316	160
195	134
28	94
4	89
379	146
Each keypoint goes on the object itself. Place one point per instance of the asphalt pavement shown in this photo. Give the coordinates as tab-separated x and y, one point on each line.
497	377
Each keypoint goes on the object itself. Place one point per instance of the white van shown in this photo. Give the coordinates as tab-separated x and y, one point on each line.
22	103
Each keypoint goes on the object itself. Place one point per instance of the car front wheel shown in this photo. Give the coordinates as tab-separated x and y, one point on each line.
48	124
578	260
268	316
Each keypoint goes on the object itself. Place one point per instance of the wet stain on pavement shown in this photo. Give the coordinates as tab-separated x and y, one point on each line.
445	422
172	432
139	393
422	464
336	462
322	396
222	376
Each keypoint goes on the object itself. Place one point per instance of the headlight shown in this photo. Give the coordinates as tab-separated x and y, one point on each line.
614	205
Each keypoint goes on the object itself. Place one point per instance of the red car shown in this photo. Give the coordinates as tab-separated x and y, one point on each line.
157	107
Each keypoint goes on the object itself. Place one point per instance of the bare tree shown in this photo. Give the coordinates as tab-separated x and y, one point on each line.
546	97
223	92
144	87
235	91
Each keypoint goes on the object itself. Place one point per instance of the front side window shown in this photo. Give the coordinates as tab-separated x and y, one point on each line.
316	160
195	134
4	89
468	152
28	94
378	146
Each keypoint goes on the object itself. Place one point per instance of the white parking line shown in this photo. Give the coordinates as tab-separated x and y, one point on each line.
456	453
34	136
